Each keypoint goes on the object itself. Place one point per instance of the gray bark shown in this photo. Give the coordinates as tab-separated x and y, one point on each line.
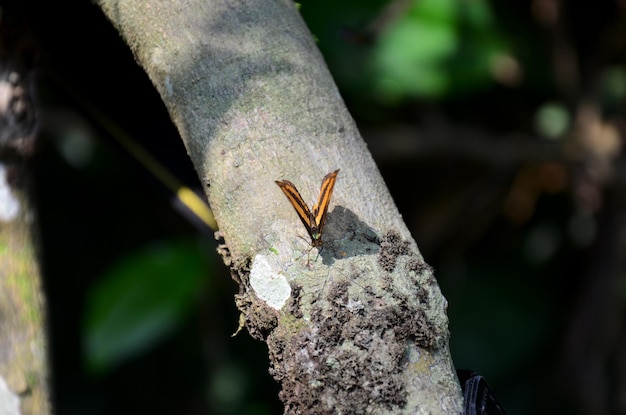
363	329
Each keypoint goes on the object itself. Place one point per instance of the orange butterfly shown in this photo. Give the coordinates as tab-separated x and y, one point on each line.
313	219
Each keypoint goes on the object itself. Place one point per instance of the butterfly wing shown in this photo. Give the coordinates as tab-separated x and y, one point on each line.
289	189
320	209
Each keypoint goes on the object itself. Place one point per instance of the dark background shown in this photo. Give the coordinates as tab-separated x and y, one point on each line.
498	128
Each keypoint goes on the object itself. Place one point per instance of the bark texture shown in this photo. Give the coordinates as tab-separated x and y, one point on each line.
363	329
24	387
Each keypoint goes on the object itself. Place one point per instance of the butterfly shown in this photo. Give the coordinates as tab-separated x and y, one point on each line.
314	218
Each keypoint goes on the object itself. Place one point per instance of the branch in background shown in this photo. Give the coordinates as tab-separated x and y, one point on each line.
24	384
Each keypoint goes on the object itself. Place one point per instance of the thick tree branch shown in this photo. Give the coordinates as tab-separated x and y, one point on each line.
364	329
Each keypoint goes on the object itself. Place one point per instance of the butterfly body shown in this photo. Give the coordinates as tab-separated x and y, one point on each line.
315	218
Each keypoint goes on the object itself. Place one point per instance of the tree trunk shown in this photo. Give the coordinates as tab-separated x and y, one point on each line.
24	387
363	327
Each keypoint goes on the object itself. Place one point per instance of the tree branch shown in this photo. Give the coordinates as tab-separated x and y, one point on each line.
364	328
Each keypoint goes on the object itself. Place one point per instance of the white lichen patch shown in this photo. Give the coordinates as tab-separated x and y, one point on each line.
9	205
268	285
9	402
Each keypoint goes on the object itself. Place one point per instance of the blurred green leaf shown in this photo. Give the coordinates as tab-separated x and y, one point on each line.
437	48
140	300
411	56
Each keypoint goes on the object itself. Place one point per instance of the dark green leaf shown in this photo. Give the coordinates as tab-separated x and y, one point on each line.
140	300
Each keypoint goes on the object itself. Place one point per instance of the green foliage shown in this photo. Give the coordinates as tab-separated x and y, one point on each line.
141	300
432	49
437	48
